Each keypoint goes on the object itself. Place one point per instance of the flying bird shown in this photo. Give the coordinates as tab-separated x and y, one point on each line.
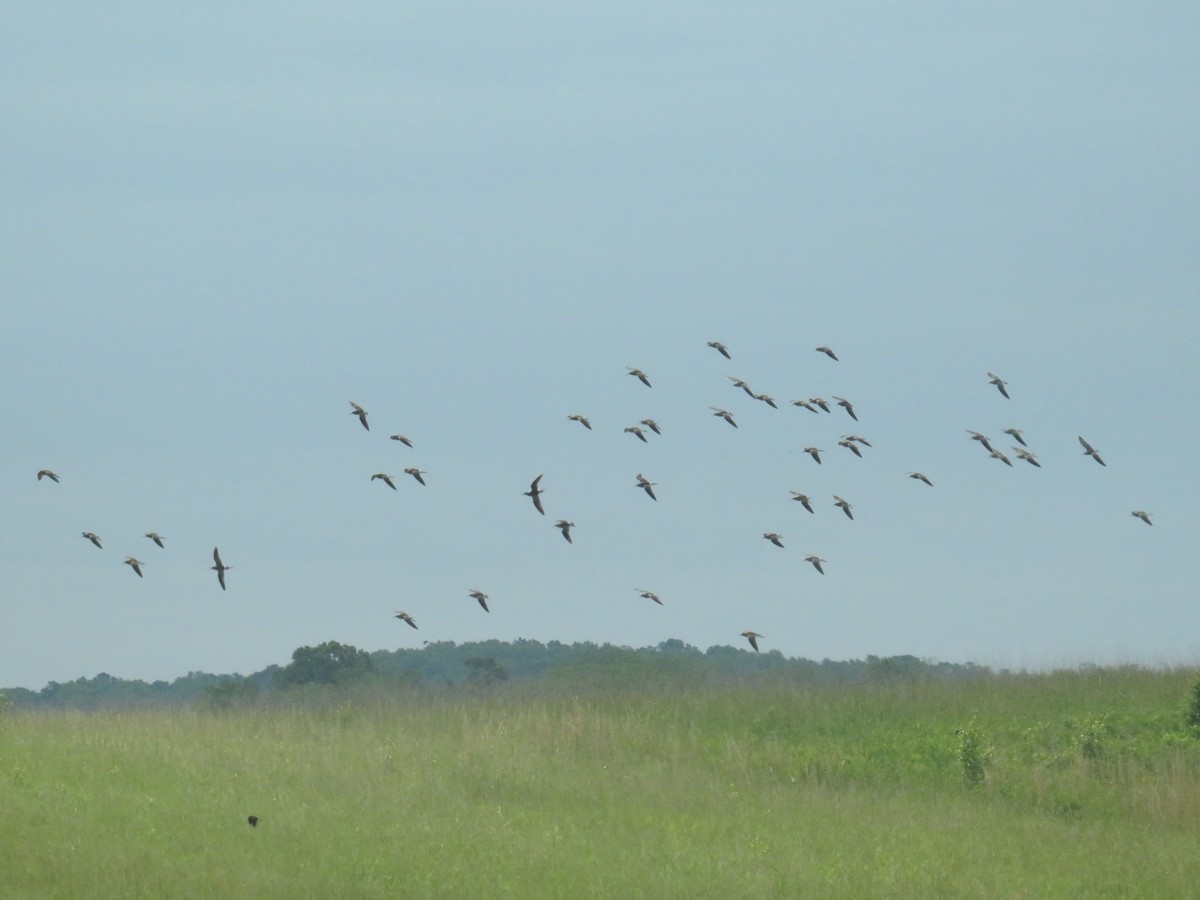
565	526
93	537
996	454
738	383
857	439
776	539
386	479
361	413
647	486
406	618
652	425
416	473
816	561
155	536
534	493
220	568
920	476
46	473
976	436
846	405
815	453
1015	433
999	383
1143	515
752	637
482	598
638	433
639	375
851	446
843	506
1024	454
803	500
724	414
805	404
582	420
649	595
767	399
1089	450
402	439
821	402
720	348
135	564
827	352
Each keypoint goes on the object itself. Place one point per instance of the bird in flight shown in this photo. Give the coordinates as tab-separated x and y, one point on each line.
652	425
647	486
843	505
738	383
416	473
639	375
1024	454
976	436
638	433
46	473
815	453
720	348
361	413
1015	433
846	405
155	536
582	420
752	637
999	383
534	493
402	439
920	476
827	352
851	446
405	617
996	454
649	595
135	564
93	537
805	404
385	478
803	500
821	402
1089	450
767	399
776	539
565	526
724	414
220	568
482	598
1143	515
857	439
816	561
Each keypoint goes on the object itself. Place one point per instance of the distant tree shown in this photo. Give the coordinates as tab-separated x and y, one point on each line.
328	663
229	692
484	671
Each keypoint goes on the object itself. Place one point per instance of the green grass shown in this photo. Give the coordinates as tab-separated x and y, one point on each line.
1085	784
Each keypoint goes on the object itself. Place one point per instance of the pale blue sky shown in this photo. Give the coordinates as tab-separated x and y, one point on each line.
221	224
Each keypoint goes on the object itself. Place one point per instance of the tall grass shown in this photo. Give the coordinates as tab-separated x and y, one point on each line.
1091	787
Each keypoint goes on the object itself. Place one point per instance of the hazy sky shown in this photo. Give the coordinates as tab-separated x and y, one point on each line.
222	223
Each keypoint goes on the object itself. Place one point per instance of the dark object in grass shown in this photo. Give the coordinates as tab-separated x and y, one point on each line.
253	820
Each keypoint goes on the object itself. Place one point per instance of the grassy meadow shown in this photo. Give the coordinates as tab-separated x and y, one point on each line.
1068	784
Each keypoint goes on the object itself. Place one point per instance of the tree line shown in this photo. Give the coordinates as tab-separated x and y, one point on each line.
447	666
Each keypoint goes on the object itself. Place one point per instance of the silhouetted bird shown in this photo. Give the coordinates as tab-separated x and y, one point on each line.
652	425
752	637
385	478
640	376
815	453
816	561
93	537
405	617
1015	433
135	564
220	568
920	476
1143	515
776	539
534	493
155	536
637	432
995	379
482	598
1089	450
724	414
402	439
647	486
361	413
843	505
649	595
827	352
803	500
846	405
720	348
565	527
416	473
46	473
582	420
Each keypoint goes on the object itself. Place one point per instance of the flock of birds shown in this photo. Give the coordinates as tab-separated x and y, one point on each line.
817	405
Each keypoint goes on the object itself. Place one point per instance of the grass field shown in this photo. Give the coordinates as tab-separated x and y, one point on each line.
1068	784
